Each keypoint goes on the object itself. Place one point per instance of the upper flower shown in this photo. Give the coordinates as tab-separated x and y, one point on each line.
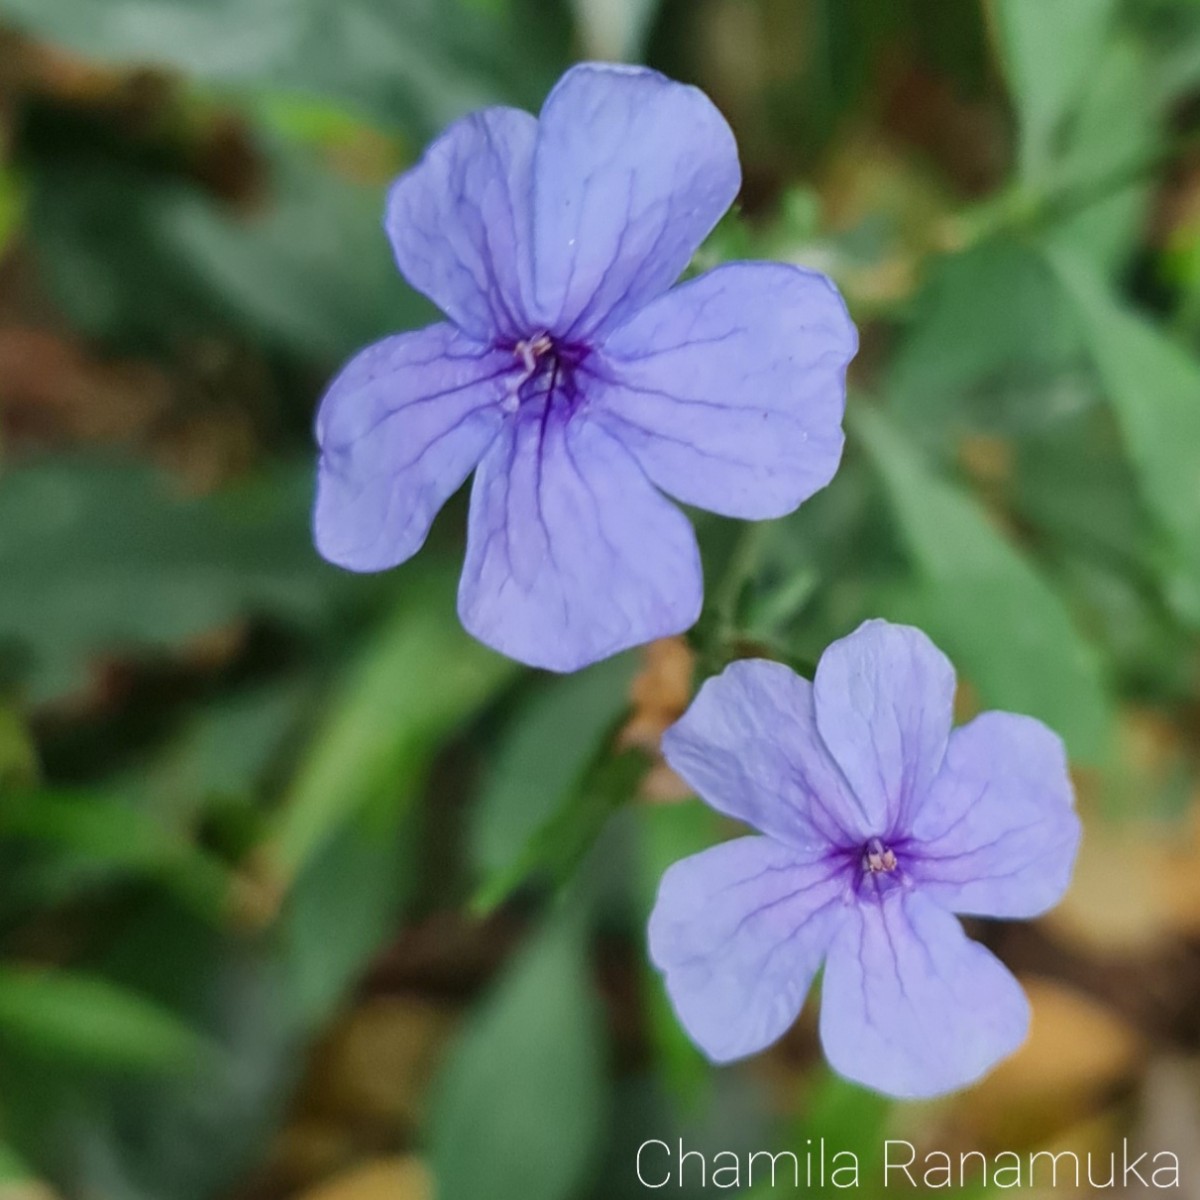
571	377
879	823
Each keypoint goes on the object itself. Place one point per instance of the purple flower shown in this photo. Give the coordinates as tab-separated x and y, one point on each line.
878	824
571	380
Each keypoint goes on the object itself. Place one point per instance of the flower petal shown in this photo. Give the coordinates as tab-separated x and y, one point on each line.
460	222
400	428
631	172
885	699
730	389
749	746
739	932
998	830
571	553
911	1006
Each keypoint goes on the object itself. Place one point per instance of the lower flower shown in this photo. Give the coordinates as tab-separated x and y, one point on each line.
878	823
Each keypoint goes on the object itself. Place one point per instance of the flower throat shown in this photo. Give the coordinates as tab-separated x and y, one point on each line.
547	374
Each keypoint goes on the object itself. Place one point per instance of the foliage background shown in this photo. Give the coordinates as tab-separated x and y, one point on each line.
302	893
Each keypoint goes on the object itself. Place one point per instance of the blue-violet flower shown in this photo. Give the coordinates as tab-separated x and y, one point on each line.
878	823
571	380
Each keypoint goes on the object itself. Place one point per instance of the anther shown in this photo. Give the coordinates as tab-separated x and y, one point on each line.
531	349
878	859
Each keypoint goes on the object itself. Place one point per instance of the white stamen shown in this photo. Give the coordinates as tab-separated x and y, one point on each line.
530	350
878	858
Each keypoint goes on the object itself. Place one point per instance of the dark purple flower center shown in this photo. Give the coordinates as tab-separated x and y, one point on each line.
876	869
546	374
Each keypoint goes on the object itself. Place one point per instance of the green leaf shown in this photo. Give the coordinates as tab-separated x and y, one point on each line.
847	1117
1004	626
223	38
313	270
549	743
563	840
189	1135
1153	385
85	1017
344	907
17	1180
342	839
222	750
1048	48
19	765
518	1111
418	679
1117	124
990	346
309	269
12	205
615	32
418	64
837	1117
99	559
103	831
1075	484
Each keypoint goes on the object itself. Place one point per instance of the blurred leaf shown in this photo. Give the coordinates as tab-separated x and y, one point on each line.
519	1109
222	751
222	38
1074	482
845	37
187	1135
1117	124
12	1169
309	269
1173	28
314	270
344	907
19	766
615	30
92	230
735	1117
1151	653
87	1017
12	205
416	682
17	1181
838	1116
1048	47
418	64
105	831
841	538
1008	632
989	346
100	559
549	742
847	1117
191	1136
1154	387
563	840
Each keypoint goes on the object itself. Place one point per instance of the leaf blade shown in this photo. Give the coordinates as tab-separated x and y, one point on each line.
86	1016
538	1038
993	612
1154	388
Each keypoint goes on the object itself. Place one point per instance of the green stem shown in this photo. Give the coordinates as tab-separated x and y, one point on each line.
741	570
1021	208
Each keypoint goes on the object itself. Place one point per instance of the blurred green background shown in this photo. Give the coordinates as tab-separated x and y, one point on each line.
303	893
